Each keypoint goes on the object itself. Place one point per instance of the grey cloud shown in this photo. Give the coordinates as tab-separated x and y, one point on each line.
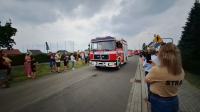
135	15
44	11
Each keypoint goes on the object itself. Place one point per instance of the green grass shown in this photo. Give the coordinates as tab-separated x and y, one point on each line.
43	69
193	79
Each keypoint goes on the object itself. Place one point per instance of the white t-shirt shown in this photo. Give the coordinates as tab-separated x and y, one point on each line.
57	58
155	59
72	58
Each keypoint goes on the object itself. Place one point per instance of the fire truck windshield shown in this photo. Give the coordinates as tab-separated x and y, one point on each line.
108	45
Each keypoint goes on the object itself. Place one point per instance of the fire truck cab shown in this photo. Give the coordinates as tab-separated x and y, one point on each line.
108	52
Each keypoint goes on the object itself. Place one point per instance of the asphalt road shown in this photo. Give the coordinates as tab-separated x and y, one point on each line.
82	90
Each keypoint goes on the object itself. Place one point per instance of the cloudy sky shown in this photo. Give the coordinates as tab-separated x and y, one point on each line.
64	23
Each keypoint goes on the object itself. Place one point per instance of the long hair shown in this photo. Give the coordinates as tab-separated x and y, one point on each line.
170	57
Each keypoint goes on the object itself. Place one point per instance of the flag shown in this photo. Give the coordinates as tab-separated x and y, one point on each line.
47	46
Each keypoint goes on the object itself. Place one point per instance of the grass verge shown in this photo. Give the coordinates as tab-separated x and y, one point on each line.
193	79
43	69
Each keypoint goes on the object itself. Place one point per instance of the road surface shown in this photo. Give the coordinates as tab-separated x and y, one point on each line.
82	90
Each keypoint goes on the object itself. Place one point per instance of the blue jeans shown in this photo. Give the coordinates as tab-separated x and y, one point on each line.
52	63
161	104
3	74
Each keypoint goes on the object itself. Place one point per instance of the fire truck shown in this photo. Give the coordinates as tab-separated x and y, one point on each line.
108	52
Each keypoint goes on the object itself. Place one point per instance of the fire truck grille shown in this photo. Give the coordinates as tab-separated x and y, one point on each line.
103	57
96	56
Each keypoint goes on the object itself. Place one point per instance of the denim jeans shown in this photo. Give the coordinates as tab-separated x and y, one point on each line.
3	74
161	104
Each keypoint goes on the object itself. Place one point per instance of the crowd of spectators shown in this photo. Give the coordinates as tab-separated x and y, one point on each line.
30	65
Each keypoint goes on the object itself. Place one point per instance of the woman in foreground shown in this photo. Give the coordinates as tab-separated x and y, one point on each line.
165	80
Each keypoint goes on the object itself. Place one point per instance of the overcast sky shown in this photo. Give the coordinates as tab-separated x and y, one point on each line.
63	23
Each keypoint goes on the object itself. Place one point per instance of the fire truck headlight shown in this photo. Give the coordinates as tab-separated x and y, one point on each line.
111	64
92	63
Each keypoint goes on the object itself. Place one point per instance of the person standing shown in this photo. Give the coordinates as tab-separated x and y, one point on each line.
165	80
147	61
27	65
66	61
57	59
72	58
33	67
52	62
86	57
4	66
8	61
154	58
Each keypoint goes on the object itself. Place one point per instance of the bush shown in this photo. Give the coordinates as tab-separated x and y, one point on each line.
17	60
41	58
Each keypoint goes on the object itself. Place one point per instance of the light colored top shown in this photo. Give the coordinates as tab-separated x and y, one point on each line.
57	57
8	60
147	66
155	59
163	83
72	58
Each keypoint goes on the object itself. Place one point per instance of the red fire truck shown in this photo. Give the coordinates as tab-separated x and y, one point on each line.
108	52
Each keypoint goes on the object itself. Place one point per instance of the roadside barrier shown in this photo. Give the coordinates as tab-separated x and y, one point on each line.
138	95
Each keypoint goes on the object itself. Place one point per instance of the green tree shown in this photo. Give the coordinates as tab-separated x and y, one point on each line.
6	32
190	40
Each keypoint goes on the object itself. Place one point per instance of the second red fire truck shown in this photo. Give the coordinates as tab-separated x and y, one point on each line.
108	52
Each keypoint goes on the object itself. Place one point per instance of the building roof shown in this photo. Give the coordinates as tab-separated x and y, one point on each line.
12	51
